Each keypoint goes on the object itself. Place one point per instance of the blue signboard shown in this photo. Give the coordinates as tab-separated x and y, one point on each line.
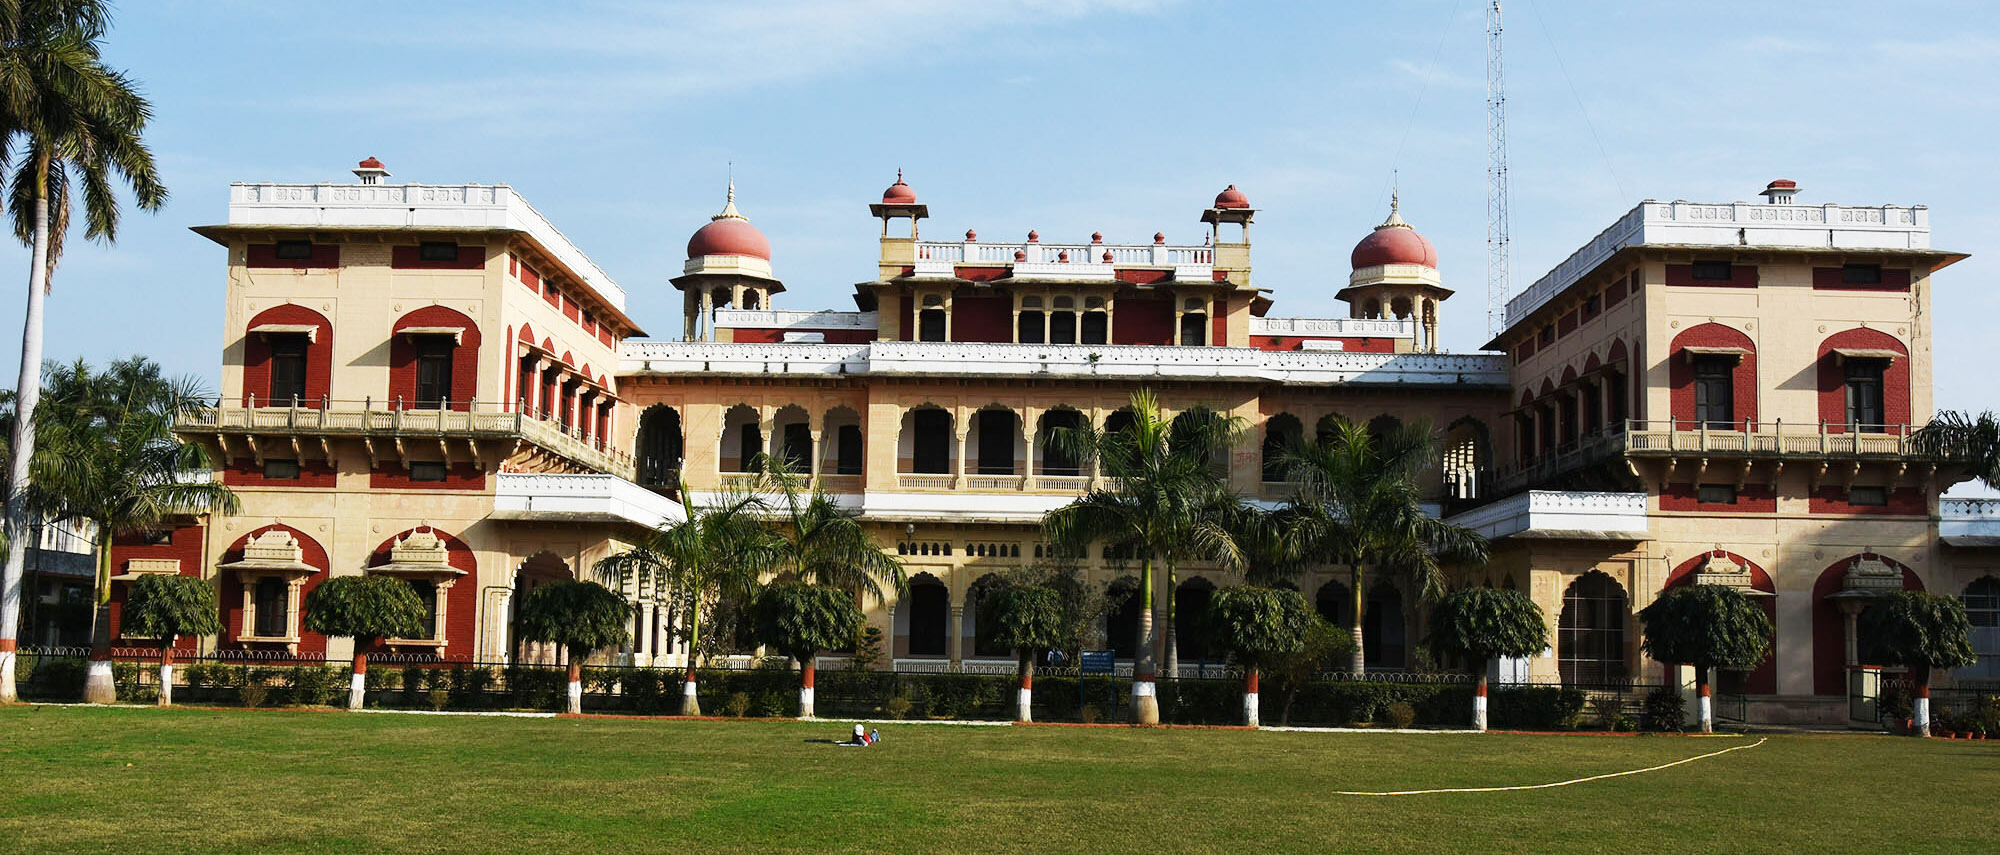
1097	661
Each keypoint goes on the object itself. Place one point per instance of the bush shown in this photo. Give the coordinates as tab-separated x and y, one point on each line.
1537	708
1401	714
1665	711
317	685
253	693
738	705
1605	710
51	677
897	707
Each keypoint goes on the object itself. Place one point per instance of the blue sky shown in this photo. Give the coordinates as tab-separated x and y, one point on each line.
1067	116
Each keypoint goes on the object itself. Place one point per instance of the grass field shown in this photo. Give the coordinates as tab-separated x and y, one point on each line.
187	780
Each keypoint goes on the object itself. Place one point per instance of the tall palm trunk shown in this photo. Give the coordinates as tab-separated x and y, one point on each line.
99	687
1145	701
28	392
1173	668
690	702
1358	664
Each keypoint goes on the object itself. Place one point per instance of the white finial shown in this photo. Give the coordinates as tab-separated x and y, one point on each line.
729	211
1395	220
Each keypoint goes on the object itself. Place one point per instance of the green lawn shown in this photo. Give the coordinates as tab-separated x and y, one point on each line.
145	780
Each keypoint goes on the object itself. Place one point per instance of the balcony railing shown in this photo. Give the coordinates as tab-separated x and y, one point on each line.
370	418
1669	438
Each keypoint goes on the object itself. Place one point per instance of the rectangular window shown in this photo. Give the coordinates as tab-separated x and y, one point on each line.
1062	327
281	470
1028	328
288	369
1714	391
1547	336
930	325
1711	271
1861	274
1194	329
427	471
293	250
272	601
1873	497
1715	494
437	250
996	442
749	448
1592	305
1864	394
433	371
1096	327
930	443
797	447
427	592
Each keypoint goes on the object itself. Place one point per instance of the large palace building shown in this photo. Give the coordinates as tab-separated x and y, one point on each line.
433	382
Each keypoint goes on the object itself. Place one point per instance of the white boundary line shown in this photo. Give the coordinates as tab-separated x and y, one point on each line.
1558	783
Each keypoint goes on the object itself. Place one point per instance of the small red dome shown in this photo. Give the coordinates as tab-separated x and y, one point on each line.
899	193
1231	197
729	237
1033	236
1394	245
1096	237
971	235
371	163
1159	238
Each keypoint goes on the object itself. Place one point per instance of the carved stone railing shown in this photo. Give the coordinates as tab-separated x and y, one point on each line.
1342	327
375	419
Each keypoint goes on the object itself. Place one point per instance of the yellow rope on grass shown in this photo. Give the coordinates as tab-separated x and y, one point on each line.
1557	783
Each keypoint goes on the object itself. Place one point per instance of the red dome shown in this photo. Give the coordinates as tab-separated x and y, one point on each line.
899	193
729	237
371	163
1231	197
1394	245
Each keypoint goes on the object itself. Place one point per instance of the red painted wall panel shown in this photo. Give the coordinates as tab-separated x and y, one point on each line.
1740	276
411	258
1830	279
1680	372
459	476
464	357
231	595
1218	333
1143	277
244	472
1829	625
1764	678
982	319
1351	345
1833	377
979	274
324	255
773	336
184	544
1143	321
461	601
1903	501
1752	499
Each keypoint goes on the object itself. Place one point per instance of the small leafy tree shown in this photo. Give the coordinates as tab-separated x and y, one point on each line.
167	607
1476	625
1924	631
800	620
1708	627
1259	626
366	609
578	616
1326	648
1027	619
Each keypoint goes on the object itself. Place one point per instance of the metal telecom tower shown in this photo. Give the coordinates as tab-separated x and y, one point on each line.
1496	176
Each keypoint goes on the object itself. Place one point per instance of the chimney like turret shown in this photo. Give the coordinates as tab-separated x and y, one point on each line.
1780	192
371	171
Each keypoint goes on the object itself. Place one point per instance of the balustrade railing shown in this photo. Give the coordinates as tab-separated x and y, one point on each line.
577	439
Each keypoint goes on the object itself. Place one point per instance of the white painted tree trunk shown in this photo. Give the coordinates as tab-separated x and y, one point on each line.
806	674
690	702
1145	698
575	706
1250	710
1024	697
357	682
167	683
1479	703
1704	700
28	394
99	675
1920	710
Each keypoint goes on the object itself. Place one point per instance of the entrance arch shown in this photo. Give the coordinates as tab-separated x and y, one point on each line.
1590	636
540	569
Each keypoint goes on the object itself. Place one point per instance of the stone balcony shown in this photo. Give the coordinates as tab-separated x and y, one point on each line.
385	430
1668	442
1067	261
1969	522
554	497
1137	362
1561	515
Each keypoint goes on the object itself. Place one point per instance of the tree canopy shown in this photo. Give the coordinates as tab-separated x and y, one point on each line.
802	620
1026	618
166	606
1480	624
826	544
579	616
1259	626
365	608
1918	629
1707	626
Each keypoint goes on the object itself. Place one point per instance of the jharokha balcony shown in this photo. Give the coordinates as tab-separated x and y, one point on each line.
473	431
1611	458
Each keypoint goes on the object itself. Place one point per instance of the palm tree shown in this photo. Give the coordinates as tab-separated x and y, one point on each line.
1478	625
801	620
69	123
825	544
721	548
580	617
1164	501
1924	631
110	459
166	607
1709	627
1359	504
1260	626
1973	441
366	609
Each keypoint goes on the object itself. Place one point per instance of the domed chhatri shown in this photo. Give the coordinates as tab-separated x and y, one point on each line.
1231	199
729	233
899	193
1393	242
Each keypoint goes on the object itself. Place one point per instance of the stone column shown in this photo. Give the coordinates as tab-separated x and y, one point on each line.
706	321
957	634
817	452
963	430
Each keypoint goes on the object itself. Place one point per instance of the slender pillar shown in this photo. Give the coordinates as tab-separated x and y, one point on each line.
957	634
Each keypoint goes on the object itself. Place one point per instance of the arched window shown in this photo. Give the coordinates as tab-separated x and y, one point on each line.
1864	381
995	432
287	357
1383	642
930	441
1121	622
1198	426
659	445
1335	602
848	451
1982	609
1327	428
795	439
1590	636
433	359
1281	433
1192	635
1465	459
1713	375
1119	420
742	440
1056	457
929	612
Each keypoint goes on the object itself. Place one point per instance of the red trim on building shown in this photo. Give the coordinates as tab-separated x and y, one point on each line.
257	355
982	319
1566	324
231	593
461	601
265	255
1750	499
1903	501
1740	276
1143	321
1351	345
184	544
1218	323
464	357
1142	277
1680	372
1894	279
1614	293
980	274
244	472
760	335
458	476
411	258
1833	377
1829	626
